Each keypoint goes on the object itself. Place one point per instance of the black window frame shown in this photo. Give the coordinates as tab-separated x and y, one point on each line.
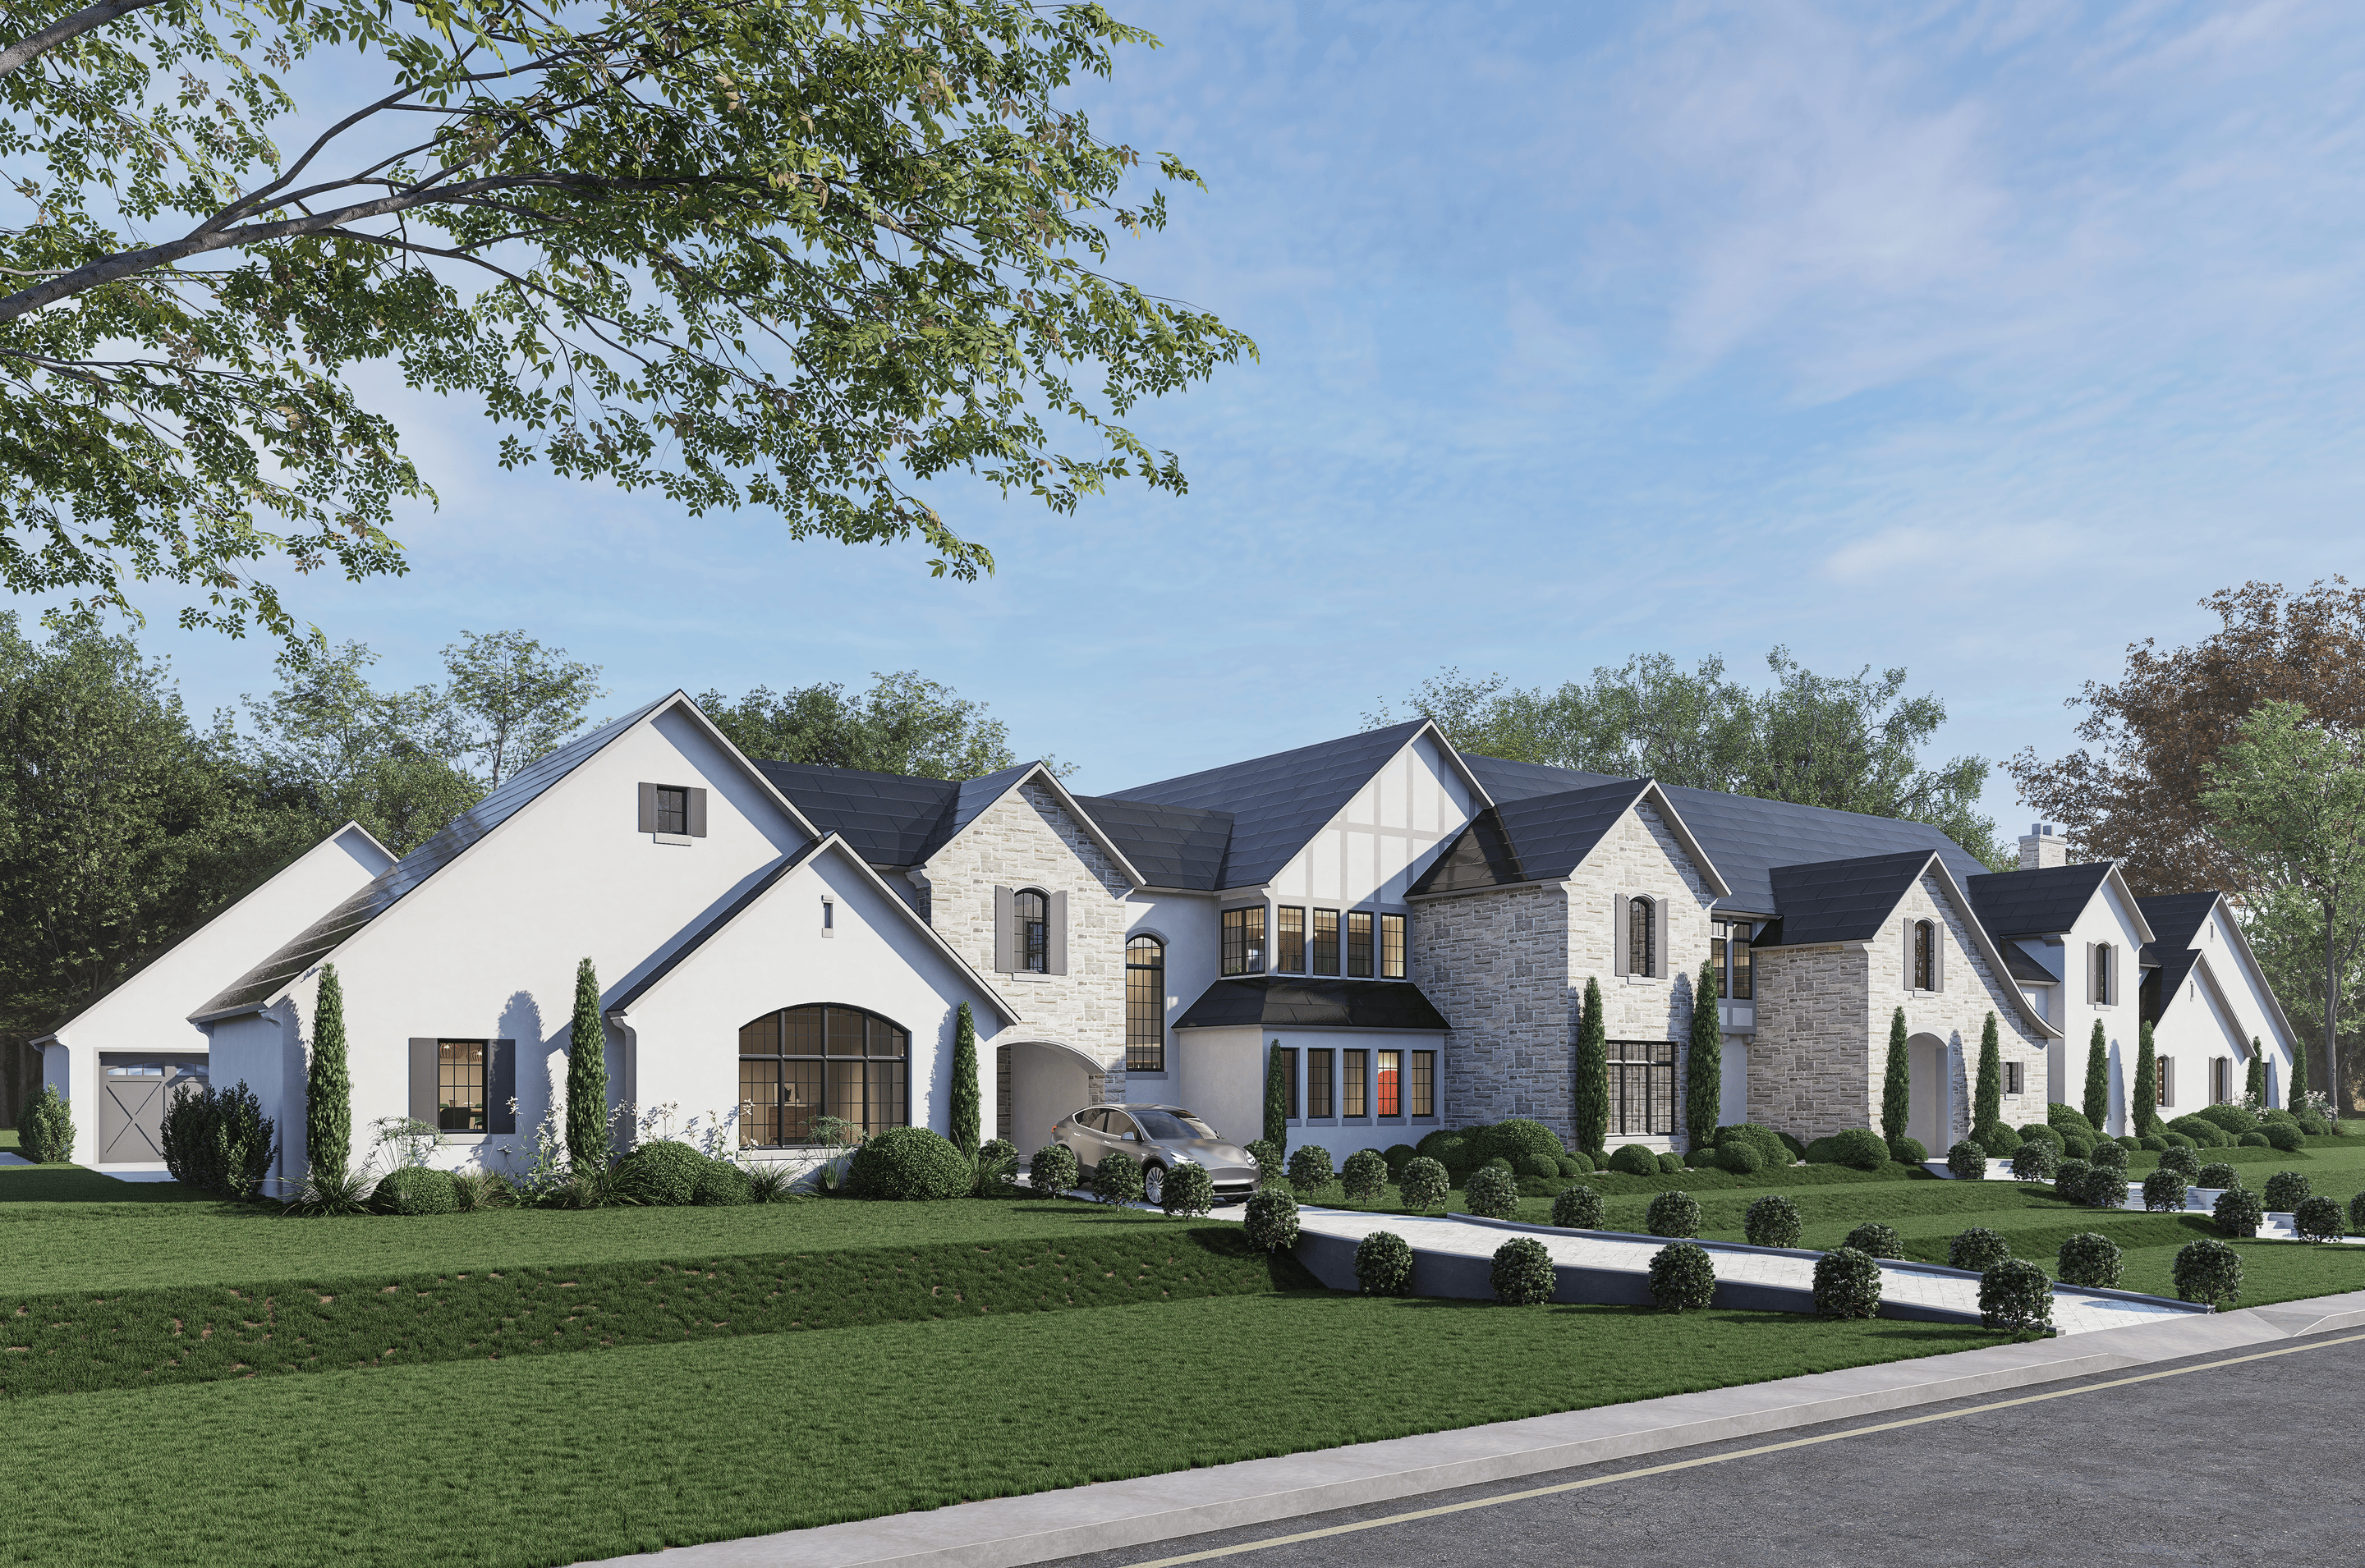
1420	1085
1925	944
1322	951
1322	1100
673	818
1289	1077
1641	1088
1396	946
1033	930
1289	939
1243	940
1740	972
1144	1009
2015	1080
1387	1085
451	1076
884	1053
1362	945
1355	1084
1641	936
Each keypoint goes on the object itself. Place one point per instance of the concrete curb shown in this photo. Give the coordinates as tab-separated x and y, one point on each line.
1042	1527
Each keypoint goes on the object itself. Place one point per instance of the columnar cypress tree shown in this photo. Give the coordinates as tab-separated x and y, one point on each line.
1897	1084
1276	1098
587	1076
329	1085
965	1086
2097	1079
2255	1083
2298	1097
2145	1109
1591	1096
1704	1069
1986	1102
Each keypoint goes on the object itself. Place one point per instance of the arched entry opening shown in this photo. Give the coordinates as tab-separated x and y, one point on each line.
1932	1114
1036	1083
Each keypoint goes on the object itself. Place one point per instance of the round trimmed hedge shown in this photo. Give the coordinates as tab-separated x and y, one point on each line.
1272	1220
2209	1271
2015	1297
1772	1221
2317	1219
1492	1194
1577	1208
2087	1258
2073	1147
2034	1160
1774	1152
1674	1214
2110	1152
1053	1168
1116	1181
2217	1174
723	1185
1364	1175
2239	1212
1522	1274
1384	1264
2069	1181
2256	1139
1861	1147
415	1190
1848	1283
1874	1240
915	1165
2043	1132
1998	1140
1633	1160
1907	1150
2286	1190
1424	1184
1268	1157
1543	1167
2183	1161
1310	1170
2285	1136
1398	1156
1189	1189
665	1174
1978	1249
2356	1212
2105	1188
1968	1161
1671	1163
1740	1158
2163	1190
1516	1135
1683	1277
1575	1164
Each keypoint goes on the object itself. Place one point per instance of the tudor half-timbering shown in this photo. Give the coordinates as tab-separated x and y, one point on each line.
1411	928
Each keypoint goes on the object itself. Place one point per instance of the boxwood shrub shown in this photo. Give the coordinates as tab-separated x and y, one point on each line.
1578	1208
2356	1212
1398	1156
2069	1181
1522	1274
2317	1219
1978	1249
1774	1151
2183	1161
665	1174
1271	1220
1492	1194
2043	1132
1384	1264
1860	1146
1674	1214
1516	1135
1772	1221
2087	1258
1670	1164
2286	1190
913	1165
1740	1158
2075	1147
1848	1283
2105	1187
1633	1160
2163	1190
2034	1160
2208	1271
1968	1161
1268	1157
2235	1119
1874	1240
2111	1152
415	1189
1423	1184
2254	1139
2285	1136
1683	1277
2015	1297
1998	1139
1907	1150
2217	1174
1364	1175
2239	1212
1310	1170
723	1185
1053	1168
1189	1189
2153	1142
1576	1164
1116	1181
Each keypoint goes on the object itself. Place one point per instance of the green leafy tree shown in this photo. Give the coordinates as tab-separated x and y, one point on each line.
1276	1100
2297	1099
903	724
1896	1083
587	1076
1589	1107
510	700
1987	1097
803	256
2097	1104
2145	1094
1704	1063
328	1084
965	1106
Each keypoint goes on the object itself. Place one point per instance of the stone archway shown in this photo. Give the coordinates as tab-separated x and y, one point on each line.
1036	1083
1933	1114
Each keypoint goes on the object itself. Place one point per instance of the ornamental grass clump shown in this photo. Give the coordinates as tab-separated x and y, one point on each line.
1053	1170
1772	1221
1116	1181
1968	1161
2015	1297
2164	1190
1271	1221
1384	1264
1674	1214
1365	1175
1848	1283
1577	1208
2218	1175
2034	1160
2239	1212
1522	1274
2286	1190
1492	1194
325	1194
2317	1219
1189	1190
771	1183
1424	1184
1875	1240
1978	1249
1310	1170
2208	1271
1683	1277
473	1191
2090	1259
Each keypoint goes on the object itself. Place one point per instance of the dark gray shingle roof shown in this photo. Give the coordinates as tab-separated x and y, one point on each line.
2164	984
1540	838
2175	918
886	818
1278	802
1282	1001
1171	846
1842	900
260	984
2042	903
2020	966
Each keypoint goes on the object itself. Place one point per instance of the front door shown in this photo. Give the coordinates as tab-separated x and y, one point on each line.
132	1095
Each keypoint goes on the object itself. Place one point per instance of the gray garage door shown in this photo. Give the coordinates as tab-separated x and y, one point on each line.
132	1095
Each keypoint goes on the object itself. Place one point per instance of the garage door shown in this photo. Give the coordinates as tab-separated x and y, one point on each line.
131	1096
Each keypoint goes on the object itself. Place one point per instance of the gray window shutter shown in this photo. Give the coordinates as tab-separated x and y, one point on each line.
1906	979
1659	939
698	813
2090	974
501	1086
1621	939
1055	941
1937	955
648	808
423	1079
1005	930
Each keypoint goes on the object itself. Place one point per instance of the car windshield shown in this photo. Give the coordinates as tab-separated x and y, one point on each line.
1172	1125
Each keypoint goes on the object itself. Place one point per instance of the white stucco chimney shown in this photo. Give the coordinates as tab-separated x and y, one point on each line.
2043	847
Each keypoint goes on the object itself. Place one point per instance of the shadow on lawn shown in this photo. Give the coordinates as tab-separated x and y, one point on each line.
76	1184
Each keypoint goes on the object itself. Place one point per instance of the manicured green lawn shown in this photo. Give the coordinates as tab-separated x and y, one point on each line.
557	1458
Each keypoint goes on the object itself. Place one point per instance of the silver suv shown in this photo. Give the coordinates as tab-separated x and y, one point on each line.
1157	1138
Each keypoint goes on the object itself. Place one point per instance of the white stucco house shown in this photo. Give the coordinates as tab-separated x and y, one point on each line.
1412	925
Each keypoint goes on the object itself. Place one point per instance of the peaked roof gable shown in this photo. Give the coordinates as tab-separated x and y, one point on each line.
2041	902
887	818
2176	920
1544	838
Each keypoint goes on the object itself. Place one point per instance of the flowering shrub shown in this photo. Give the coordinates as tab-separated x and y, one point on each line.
2239	1212
2015	1297
1578	1208
1493	1194
2208	1271
1272	1220
1683	1277
1522	1274
2163	1189
2087	1258
1848	1283
1978	1249
1424	1184
1384	1264
1875	1242
1674	1214
1366	1174
1772	1221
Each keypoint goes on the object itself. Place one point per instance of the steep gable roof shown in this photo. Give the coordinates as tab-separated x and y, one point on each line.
1545	837
2176	918
2040	902
1173	846
1843	900
887	818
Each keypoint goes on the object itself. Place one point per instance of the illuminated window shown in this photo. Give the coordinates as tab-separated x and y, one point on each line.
1289	940
1326	942
1359	944
803	1063
1244	940
1392	947
1391	1083
1145	1005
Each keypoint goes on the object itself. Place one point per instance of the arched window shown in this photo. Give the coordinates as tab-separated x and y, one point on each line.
2103	975
1642	938
801	1064
1145	1005
1033	912
1924	974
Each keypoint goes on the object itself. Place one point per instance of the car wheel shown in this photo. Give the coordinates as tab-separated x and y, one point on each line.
1153	1184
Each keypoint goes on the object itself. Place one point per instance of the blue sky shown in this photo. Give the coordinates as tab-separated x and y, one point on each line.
1980	339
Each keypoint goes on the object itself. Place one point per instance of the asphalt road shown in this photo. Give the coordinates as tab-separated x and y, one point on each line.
2255	1462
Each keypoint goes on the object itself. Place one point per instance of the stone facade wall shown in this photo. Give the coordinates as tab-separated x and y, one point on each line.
1027	840
1956	1013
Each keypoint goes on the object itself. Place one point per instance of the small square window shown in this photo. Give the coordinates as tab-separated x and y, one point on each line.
672	811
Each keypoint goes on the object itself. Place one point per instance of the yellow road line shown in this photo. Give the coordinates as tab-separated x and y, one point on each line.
1215	1552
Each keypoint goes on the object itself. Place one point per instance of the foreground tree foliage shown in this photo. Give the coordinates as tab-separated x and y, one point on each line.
797	255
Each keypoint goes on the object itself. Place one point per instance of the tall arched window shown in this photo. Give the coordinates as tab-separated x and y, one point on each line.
1033	912
1642	938
803	1063
1145	1005
1924	976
